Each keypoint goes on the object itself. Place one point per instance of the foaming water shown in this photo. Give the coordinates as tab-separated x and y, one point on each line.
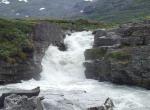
64	71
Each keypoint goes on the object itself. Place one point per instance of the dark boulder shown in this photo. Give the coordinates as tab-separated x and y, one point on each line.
108	105
90	70
124	62
105	38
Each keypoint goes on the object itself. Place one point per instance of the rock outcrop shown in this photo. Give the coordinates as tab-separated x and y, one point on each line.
21	100
46	34
108	105
121	55
17	102
26	93
29	66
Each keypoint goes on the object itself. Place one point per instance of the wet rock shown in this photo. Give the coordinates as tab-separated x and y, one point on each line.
108	105
20	93
17	102
90	68
124	62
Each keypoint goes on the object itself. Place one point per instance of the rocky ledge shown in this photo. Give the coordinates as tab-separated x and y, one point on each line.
22	48
121	55
108	105
21	100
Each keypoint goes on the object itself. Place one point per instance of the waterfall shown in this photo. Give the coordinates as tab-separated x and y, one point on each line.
66	66
63	71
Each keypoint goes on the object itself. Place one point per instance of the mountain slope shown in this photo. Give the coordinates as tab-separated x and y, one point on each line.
37	8
101	10
115	10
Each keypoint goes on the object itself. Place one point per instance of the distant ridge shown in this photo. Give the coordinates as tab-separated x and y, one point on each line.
99	10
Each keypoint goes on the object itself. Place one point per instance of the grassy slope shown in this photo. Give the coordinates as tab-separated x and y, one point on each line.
15	40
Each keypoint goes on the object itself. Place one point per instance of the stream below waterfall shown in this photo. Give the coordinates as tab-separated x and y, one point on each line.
63	80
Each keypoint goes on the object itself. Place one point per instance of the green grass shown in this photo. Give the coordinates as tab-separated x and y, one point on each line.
14	39
15	35
80	24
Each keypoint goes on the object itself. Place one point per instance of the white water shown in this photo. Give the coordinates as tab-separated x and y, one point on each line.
63	71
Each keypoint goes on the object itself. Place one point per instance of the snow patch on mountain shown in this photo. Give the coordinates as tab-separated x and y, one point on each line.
23	1
5	2
42	8
89	0
81	11
8	2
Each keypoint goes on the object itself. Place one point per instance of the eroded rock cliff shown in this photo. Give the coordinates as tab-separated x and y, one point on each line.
22	47
121	56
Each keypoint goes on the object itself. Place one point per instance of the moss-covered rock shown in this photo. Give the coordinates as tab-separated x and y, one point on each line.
119	55
125	62
95	53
